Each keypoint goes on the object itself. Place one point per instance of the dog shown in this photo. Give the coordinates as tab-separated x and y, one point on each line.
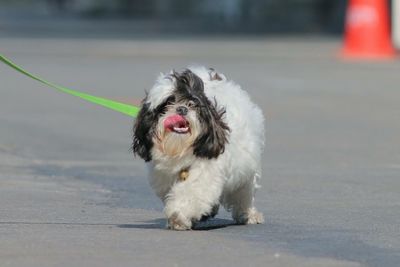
202	138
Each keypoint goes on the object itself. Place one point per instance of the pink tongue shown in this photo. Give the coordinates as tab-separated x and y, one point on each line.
174	120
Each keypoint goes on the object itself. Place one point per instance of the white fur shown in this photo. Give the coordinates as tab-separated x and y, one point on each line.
230	179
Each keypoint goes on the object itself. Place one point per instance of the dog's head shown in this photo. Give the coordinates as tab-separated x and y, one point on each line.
177	118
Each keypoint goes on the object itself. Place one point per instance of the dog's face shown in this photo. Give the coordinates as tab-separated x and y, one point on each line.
177	118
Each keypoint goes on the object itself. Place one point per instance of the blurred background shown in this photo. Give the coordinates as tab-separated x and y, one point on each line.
172	16
72	194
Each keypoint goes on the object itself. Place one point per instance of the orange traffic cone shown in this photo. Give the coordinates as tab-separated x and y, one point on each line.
367	33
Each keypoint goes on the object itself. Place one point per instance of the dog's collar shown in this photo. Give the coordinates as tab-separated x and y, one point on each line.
183	174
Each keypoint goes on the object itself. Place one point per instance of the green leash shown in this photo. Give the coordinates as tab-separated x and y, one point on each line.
114	105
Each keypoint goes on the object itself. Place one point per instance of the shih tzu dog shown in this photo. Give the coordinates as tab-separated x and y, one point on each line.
202	138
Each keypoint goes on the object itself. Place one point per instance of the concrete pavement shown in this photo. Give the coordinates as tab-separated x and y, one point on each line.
71	194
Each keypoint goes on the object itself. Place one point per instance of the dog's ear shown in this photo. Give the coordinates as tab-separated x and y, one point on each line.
214	136
142	132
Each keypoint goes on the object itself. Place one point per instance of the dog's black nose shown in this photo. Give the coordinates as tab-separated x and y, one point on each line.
182	110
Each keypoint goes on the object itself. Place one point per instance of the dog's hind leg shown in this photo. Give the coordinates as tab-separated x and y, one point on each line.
241	204
211	214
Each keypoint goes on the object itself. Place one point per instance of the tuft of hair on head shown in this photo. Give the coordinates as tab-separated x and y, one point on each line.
214	75
187	82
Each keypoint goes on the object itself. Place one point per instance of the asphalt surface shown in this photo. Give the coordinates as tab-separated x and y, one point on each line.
72	194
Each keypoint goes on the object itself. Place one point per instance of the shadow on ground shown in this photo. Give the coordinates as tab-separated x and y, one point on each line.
210	224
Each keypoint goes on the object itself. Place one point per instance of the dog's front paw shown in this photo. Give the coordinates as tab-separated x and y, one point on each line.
178	222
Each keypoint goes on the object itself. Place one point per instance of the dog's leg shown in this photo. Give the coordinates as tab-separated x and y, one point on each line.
241	201
214	211
188	201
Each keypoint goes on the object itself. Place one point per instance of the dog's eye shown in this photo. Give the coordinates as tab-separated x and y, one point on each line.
194	103
170	100
162	109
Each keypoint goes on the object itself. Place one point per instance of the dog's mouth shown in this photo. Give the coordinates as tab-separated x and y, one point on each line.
177	124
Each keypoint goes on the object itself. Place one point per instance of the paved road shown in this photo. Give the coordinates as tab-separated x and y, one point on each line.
71	193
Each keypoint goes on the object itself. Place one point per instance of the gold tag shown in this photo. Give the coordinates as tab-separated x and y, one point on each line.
183	175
